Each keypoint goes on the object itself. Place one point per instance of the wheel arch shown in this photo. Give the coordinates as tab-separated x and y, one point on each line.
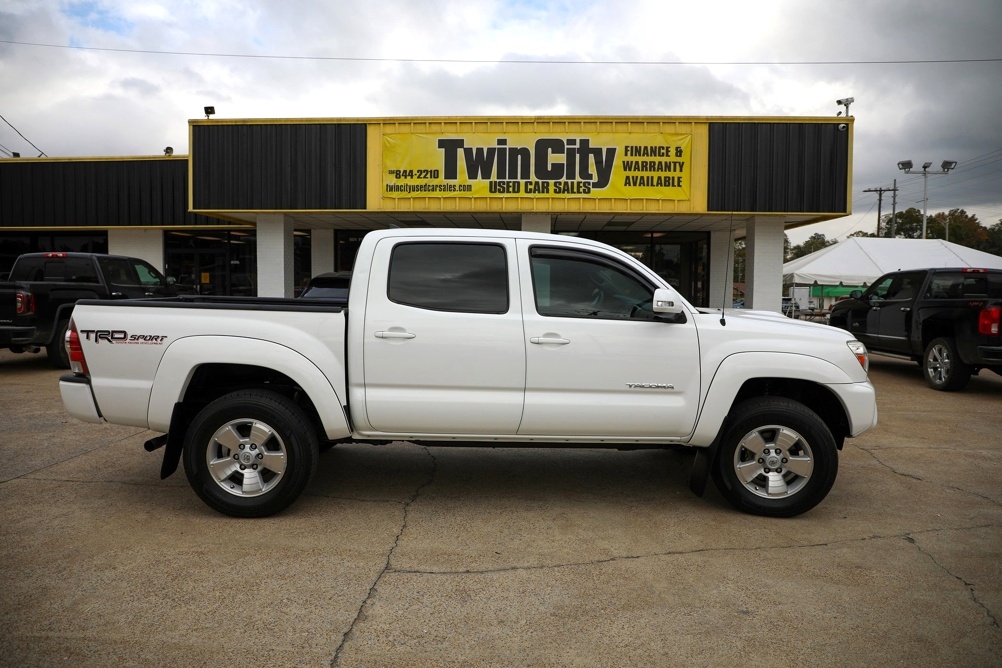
196	370
800	378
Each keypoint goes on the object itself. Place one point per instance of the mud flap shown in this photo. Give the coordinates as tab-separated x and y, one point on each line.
700	472
174	441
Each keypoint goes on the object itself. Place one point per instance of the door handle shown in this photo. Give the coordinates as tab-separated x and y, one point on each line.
905	309
394	335
549	340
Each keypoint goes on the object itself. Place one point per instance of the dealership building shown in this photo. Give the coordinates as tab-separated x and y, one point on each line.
258	206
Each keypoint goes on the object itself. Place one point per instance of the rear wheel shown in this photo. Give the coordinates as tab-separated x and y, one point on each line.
777	458
942	365
250	453
59	357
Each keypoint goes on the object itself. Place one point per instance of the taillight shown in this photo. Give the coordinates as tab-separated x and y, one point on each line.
25	303
77	362
988	320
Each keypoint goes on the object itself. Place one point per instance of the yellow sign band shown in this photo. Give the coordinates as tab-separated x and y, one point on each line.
579	164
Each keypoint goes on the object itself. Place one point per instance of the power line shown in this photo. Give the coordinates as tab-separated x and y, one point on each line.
40	151
516	61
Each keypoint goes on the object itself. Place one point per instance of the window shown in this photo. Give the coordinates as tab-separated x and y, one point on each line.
880	289
572	284
147	274
117	271
906	286
467	277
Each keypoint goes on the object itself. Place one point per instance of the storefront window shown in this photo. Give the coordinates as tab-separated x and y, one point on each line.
211	262
678	257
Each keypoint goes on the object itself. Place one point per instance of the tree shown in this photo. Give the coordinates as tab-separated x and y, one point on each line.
993	240
965	230
813	243
861	233
907	224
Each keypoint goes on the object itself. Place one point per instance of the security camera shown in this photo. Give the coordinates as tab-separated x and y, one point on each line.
843	127
845	100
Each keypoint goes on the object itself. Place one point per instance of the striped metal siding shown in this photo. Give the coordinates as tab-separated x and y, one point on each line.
778	168
98	193
278	167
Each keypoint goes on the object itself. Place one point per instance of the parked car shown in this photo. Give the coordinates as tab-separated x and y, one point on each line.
331	286
36	302
790	307
473	337
945	319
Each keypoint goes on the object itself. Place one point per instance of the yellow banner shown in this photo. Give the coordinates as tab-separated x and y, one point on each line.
585	165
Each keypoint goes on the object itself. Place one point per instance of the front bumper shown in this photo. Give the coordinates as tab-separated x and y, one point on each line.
78	399
860	402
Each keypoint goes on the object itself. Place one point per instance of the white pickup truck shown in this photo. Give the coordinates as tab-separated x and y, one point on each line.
473	337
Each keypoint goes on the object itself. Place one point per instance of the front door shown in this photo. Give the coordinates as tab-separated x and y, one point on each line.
896	312
597	362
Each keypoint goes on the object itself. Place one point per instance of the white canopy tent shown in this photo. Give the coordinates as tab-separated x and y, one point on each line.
861	260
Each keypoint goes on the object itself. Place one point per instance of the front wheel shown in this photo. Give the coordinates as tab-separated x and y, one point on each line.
250	453
777	458
943	368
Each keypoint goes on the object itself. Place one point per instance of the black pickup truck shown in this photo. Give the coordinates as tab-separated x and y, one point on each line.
946	319
37	299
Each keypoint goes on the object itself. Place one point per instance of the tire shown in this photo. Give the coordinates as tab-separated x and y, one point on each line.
943	368
59	357
776	431
250	453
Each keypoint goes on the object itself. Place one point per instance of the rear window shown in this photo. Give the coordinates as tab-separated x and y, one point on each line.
464	277
956	285
56	269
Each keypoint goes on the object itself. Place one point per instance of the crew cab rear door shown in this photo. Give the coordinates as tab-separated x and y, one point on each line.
597	361
442	344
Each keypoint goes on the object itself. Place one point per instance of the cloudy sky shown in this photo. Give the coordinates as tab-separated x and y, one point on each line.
122	77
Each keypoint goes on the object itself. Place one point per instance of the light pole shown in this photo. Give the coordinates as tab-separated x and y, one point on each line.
906	167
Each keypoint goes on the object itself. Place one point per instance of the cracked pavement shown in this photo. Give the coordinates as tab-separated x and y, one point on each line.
402	555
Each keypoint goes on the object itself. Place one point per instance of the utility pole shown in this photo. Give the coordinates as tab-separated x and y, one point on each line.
880	201
894	207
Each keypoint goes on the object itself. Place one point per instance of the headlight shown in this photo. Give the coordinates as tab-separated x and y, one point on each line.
859	350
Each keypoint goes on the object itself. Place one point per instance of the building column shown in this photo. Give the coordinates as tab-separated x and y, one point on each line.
321	251
145	244
537	222
721	292
274	255
764	264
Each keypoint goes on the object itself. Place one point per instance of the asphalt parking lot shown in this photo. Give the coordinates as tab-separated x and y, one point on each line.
408	556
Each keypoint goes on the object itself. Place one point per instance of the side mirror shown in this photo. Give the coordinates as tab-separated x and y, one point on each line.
171	280
856	294
666	302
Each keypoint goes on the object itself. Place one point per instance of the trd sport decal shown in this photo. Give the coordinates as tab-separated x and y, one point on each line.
121	336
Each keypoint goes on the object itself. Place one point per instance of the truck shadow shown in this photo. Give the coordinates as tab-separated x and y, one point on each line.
400	471
985	383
